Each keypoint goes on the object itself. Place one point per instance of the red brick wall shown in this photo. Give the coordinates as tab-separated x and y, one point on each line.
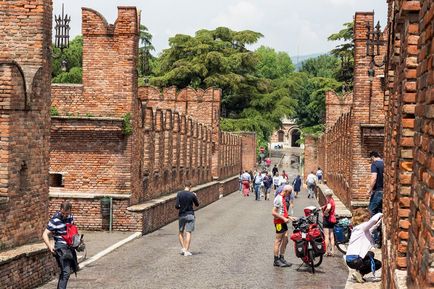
202	105
93	154
24	120
248	150
310	155
367	108
337	105
399	132
68	99
109	66
421	235
28	271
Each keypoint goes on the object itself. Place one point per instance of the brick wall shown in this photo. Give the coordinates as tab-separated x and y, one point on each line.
28	270
109	67
368	101
337	105
248	150
421	235
25	73
310	155
25	76
93	155
202	105
399	132
68	99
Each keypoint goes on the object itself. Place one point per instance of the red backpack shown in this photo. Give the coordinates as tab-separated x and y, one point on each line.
72	238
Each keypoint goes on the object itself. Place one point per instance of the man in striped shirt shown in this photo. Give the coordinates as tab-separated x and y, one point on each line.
66	257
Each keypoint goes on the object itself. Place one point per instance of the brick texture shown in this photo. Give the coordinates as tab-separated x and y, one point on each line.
25	76
248	150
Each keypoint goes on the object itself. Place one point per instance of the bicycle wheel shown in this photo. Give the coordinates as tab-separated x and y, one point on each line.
342	247
311	260
317	260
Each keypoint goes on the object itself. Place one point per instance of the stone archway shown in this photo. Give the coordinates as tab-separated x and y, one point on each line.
294	137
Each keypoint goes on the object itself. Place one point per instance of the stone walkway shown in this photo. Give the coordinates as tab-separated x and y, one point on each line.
232	248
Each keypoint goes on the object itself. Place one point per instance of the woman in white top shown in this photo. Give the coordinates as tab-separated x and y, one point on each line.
358	255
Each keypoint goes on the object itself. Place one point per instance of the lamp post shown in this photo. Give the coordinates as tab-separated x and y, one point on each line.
62	36
373	43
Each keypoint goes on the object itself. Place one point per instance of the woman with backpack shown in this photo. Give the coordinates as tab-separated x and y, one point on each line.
329	222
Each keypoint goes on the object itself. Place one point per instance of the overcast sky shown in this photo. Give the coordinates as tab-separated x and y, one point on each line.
297	27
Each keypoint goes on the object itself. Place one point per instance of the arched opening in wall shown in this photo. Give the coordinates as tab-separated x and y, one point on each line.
295	137
280	135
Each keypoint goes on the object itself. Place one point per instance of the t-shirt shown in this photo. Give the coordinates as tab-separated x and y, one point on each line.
280	204
245	177
311	179
267	181
276	181
258	179
57	226
184	203
319	173
378	167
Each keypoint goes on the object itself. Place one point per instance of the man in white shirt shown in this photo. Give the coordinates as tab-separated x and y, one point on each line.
311	184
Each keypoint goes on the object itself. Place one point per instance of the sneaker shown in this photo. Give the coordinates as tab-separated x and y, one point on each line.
186	253
279	263
358	277
182	251
285	262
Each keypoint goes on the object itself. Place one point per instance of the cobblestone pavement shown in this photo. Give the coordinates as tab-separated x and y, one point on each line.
232	248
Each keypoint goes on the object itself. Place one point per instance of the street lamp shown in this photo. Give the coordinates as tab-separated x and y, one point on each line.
373	43
62	36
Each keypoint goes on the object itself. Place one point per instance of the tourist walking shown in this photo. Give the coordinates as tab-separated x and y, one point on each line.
376	184
311	185
184	203
268	182
245	181
275	170
276	181
359	257
297	185
319	175
65	255
281	219
257	183
329	222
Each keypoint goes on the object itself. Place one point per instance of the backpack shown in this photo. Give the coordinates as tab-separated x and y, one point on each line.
72	238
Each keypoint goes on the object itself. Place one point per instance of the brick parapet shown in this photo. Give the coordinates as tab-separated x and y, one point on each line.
336	105
248	150
110	55
399	135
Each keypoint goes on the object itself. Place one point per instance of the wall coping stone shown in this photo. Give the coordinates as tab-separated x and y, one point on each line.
341	210
67	84
359	204
400	277
56	193
18	252
88	118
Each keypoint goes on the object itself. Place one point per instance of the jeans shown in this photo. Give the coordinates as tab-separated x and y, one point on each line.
66	260
376	203
257	192
311	191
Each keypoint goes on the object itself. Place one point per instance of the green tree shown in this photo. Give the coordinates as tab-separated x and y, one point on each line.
74	75
74	59
273	64
345	52
321	66
213	58
145	56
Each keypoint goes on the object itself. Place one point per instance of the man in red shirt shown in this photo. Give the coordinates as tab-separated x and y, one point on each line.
281	218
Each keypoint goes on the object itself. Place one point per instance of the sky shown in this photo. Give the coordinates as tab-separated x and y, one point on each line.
296	27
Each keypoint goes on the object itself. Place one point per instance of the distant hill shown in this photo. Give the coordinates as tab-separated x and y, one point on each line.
298	60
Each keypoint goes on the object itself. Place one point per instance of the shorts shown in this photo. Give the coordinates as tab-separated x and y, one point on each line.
186	223
292	196
281	228
327	224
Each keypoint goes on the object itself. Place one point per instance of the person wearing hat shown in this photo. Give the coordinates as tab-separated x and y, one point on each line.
329	222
